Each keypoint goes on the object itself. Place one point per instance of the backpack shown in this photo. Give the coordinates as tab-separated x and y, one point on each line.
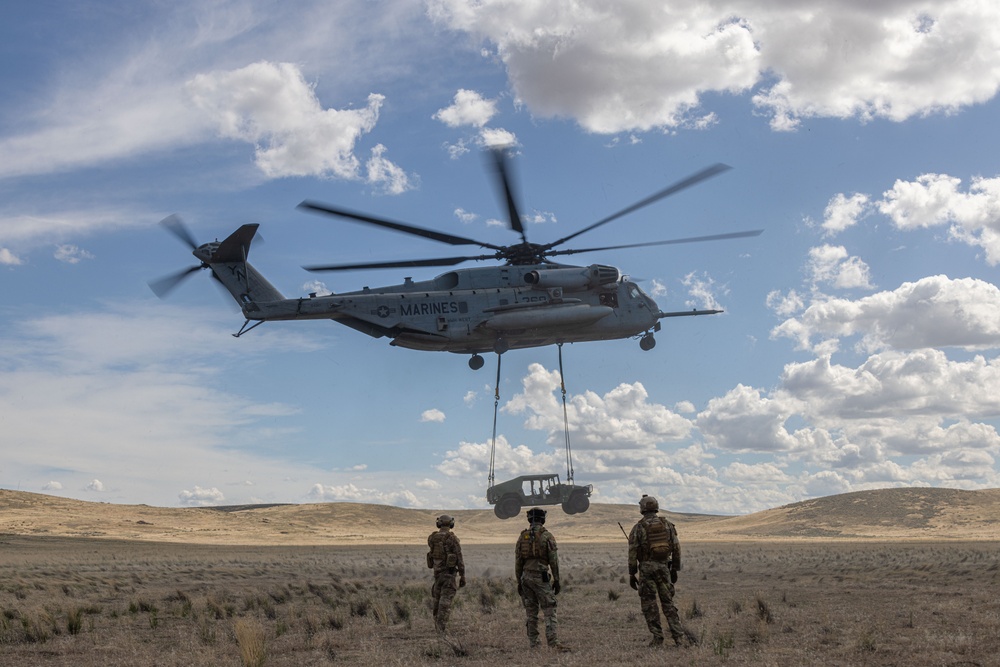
441	550
532	544
659	540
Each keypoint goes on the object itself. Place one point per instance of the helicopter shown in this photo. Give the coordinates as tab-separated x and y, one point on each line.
528	300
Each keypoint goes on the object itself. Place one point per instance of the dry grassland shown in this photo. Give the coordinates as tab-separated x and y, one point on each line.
890	577
87	602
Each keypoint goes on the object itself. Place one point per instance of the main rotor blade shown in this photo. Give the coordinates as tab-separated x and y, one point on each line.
503	171
443	261
165	285
693	179
177	227
690	239
450	239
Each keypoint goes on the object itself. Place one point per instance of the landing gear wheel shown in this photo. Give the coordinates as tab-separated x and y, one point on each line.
501	346
647	342
476	362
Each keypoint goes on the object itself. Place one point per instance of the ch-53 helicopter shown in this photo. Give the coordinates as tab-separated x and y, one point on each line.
528	301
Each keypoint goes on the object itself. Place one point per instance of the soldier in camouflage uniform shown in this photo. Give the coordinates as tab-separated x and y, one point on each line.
445	557
654	553
535	556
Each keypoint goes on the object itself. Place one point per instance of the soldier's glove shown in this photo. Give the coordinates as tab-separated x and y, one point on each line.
633	582
555	587
461	582
633	570
673	576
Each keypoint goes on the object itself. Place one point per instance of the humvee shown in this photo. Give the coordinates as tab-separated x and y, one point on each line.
509	497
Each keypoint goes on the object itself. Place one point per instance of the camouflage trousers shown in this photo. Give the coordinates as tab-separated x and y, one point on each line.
655	581
537	594
442	593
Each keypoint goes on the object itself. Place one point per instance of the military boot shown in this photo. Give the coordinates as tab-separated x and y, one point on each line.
657	640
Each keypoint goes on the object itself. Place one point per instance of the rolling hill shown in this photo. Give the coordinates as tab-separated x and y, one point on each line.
885	514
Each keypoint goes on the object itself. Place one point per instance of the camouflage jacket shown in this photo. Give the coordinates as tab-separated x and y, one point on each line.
638	542
445	552
536	551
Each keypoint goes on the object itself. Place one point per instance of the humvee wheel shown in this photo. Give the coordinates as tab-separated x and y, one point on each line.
508	507
579	503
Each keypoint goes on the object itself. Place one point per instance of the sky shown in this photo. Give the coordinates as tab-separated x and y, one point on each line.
859	344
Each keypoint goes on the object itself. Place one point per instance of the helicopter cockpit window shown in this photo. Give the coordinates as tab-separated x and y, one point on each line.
609	299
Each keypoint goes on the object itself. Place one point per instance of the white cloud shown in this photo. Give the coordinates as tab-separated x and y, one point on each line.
432	415
95	486
844	212
636	65
701	290
271	106
71	254
934	199
389	178
351	493
497	137
621	419
468	109
200	497
832	265
784	305
932	312
9	258
52	486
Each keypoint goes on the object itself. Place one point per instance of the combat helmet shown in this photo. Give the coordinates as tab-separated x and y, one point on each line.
536	515
648	504
445	520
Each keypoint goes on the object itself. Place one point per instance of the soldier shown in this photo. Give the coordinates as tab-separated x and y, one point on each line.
445	556
535	556
654	552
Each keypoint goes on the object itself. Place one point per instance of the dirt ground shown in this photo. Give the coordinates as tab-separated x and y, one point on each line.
82	602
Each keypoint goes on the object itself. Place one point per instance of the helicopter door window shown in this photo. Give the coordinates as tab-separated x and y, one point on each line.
442	324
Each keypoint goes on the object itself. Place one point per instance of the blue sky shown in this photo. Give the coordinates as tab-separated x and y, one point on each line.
858	348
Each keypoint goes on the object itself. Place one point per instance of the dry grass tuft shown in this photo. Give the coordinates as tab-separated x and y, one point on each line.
250	639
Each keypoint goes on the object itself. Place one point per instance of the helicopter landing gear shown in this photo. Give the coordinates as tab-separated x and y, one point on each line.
647	342
501	345
476	362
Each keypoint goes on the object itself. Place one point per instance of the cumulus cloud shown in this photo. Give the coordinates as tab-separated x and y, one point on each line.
701	289
321	493
95	485
432	415
199	497
936	311
633	65
973	217
832	265
52	486
843	212
623	418
271	106
386	176
468	108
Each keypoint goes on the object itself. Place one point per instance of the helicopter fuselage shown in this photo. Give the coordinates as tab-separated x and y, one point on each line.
478	309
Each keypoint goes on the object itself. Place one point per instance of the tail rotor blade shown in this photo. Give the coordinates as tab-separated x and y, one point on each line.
176	226
165	285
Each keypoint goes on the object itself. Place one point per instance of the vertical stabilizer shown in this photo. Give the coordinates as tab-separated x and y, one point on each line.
229	265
